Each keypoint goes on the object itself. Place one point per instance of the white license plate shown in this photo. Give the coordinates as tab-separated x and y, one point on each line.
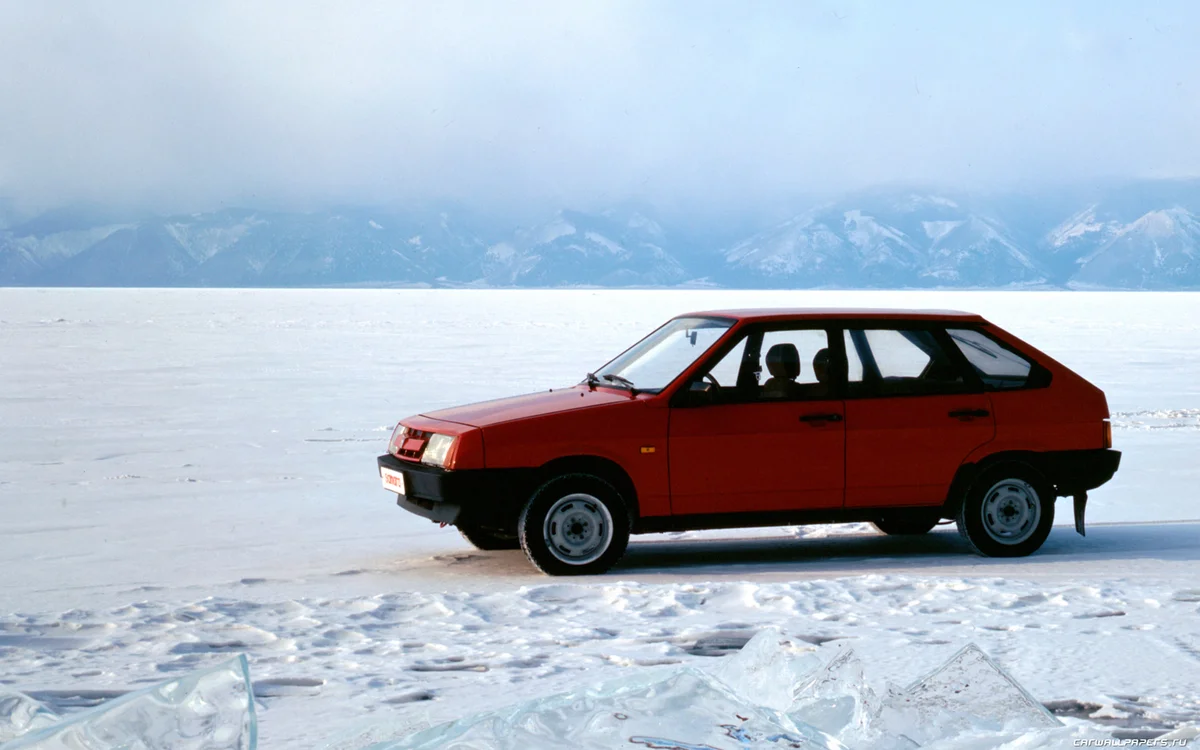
392	480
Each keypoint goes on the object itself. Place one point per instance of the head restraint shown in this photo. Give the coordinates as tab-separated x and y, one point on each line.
783	361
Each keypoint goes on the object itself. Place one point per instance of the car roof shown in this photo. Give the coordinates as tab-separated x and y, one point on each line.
835	313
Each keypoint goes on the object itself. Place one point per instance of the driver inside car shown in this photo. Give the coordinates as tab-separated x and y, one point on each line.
783	362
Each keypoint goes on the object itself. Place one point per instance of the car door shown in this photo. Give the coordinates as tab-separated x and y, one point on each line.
914	411
745	448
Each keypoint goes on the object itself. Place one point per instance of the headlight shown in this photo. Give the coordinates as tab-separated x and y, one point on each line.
397	440
436	450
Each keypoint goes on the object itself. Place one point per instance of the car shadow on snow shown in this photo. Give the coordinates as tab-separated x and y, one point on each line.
871	552
782	556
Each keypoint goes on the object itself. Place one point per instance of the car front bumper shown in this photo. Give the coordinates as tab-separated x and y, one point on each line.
484	497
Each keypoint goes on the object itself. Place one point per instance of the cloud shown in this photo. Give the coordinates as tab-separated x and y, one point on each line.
583	102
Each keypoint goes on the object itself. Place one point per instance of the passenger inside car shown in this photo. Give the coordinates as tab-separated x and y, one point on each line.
821	371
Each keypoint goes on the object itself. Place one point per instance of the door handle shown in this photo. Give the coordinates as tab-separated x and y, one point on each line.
821	418
969	413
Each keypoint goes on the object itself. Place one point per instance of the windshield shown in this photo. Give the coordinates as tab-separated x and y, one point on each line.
659	358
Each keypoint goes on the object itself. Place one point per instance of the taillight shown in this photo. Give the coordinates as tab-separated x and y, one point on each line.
1107	434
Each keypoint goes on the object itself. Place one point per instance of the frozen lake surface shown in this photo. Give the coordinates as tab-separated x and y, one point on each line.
186	473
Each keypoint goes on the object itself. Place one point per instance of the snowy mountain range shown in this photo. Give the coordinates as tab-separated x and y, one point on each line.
888	240
1140	235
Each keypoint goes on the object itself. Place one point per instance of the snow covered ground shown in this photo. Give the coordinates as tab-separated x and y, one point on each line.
188	474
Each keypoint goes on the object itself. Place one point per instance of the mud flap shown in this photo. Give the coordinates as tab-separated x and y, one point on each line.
1080	506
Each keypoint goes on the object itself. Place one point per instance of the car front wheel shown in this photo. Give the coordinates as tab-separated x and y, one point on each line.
575	524
1008	511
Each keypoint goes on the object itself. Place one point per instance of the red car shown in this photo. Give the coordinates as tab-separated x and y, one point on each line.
739	418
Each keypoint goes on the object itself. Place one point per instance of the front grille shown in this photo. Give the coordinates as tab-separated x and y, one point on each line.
412	445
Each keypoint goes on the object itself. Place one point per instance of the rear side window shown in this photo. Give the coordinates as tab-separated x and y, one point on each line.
900	362
997	366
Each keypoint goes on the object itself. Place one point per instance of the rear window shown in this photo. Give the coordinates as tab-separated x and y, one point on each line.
998	367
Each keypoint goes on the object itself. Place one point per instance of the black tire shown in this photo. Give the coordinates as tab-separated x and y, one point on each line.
1009	498
906	524
599	526
487	540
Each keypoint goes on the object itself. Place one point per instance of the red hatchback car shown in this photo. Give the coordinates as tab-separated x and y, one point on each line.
741	418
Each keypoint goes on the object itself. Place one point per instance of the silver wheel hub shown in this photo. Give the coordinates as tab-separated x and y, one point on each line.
1011	511
578	529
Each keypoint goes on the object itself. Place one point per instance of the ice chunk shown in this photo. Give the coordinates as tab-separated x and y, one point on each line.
20	714
838	700
768	668
969	693
681	709
212	709
1182	734
969	702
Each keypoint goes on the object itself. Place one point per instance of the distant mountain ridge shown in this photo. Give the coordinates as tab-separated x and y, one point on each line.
906	240
1137	235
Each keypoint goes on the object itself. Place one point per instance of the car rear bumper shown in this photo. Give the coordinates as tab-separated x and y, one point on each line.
1080	471
486	497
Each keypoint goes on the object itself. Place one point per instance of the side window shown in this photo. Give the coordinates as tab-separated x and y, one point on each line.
901	362
854	363
726	371
997	367
796	365
782	365
900	355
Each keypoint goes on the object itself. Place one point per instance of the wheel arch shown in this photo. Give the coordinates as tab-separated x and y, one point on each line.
604	468
967	473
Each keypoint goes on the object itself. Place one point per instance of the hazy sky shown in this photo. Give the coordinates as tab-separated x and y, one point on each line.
190	104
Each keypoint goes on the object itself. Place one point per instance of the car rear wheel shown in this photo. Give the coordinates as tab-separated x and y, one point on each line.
906	524
485	539
575	524
1008	511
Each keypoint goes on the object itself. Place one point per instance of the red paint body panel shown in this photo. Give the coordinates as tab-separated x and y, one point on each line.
756	457
440	426
530	406
905	451
1069	415
616	432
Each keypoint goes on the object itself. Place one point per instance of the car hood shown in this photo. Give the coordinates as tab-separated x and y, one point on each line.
531	405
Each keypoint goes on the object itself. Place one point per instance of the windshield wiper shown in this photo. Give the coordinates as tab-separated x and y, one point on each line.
618	379
591	381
